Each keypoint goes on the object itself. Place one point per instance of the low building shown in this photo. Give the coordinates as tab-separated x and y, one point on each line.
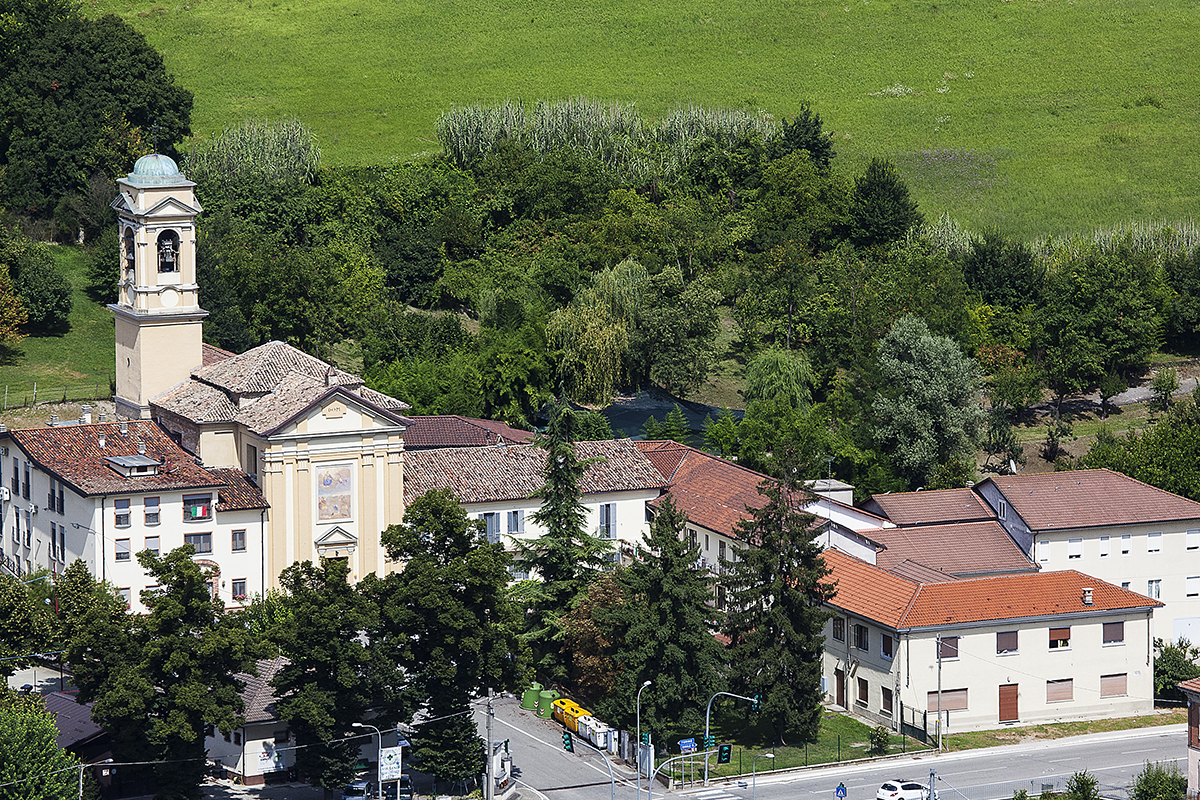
1191	690
1014	648
257	752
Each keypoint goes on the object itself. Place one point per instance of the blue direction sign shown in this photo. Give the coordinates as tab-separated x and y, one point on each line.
402	742
687	745
840	791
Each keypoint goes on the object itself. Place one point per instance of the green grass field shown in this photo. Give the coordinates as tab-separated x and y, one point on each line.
1040	116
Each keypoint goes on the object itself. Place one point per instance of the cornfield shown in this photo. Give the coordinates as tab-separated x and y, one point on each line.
1162	239
270	152
614	133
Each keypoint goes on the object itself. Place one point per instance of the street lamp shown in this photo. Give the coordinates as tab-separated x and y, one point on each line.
379	753
754	774
638	757
82	767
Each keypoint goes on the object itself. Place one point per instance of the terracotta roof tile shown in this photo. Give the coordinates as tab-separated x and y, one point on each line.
259	370
238	494
489	474
258	695
1090	498
927	508
1192	685
666	456
914	571
74	454
212	355
964	549
874	593
451	430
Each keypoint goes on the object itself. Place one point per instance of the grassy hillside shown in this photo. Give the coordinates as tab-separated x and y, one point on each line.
1041	116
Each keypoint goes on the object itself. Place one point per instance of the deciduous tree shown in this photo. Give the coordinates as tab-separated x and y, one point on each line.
30	756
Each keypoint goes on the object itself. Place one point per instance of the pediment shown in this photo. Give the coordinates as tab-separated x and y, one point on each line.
124	202
337	538
172	207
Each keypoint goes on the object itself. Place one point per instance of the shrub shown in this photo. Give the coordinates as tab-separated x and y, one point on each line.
1163	385
1083	786
880	740
1159	781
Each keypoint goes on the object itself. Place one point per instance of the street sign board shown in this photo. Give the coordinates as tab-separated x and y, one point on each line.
840	791
402	742
391	765
687	745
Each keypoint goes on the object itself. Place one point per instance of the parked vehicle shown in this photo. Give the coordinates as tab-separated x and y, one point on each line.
357	790
398	790
900	789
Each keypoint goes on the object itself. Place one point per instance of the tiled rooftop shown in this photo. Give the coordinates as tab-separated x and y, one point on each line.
964	549
238	494
900	603
1090	498
258	695
932	507
489	474
451	430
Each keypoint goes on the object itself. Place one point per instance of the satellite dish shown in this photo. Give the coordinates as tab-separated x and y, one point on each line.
1012	467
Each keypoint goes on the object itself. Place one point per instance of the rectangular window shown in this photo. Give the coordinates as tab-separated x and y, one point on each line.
237	737
952	700
863	690
1002	513
862	638
1192	539
151	544
1126	544
251	465
121	509
61	498
1060	691
608	520
53	542
124	595
516	522
885	705
885	646
202	542
1154	588
238	589
1043	550
16	478
25	484
839	629
237	541
1124	584
281	737
150	505
1114	685
1074	548
706	543
1006	642
28	527
62	543
197	507
122	549
948	647
518	573
1154	542
1114	632
1060	638
1105	547
720	551
491	526
1192	585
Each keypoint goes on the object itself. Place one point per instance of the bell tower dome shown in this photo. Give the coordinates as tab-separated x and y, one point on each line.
158	316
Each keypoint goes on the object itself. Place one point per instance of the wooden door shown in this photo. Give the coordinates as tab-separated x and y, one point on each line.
1008	703
841	687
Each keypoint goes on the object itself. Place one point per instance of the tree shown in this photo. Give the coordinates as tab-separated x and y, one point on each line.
928	409
328	683
45	291
1163	386
1174	663
775	619
666	626
1166	455
1159	781
591	633
804	132
1083	786
30	756
674	426
881	210
1003	271
24	629
566	557
721	435
778	374
671	342
456	631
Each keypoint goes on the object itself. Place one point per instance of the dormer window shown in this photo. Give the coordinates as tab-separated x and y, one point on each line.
134	466
168	251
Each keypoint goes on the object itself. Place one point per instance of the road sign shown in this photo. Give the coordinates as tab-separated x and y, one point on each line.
840	791
391	765
402	742
687	745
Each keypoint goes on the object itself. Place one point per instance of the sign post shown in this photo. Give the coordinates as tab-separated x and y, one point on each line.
840	791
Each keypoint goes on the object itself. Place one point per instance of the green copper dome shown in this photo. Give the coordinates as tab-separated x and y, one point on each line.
155	170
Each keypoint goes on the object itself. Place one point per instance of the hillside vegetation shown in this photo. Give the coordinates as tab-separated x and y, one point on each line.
1036	117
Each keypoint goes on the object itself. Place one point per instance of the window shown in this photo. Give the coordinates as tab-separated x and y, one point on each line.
16	478
516	522
251	465
152	589
721	596
281	737
1002	512
1154	542
862	638
28	528
1192	585
885	705
53	542
608	520
121	509
1114	632
168	251
150	505
1060	638
1126	544
122	548
237	541
237	737
1060	691
124	595
706	543
229	736
1074	548
720	551
1124	584
948	647
1043	550
863	689
197	507
1006	642
1114	685
952	700
1105	547
885	646
1192	539
55	497
1154	588
839	629
491	526
62	543
152	544
202	542
25	483
238	588
518	573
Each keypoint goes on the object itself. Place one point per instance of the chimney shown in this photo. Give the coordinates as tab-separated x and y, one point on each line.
1087	595
103	418
102	441
141	448
53	420
85	415
124	427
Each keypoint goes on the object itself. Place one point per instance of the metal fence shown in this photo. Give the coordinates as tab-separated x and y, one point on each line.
1038	787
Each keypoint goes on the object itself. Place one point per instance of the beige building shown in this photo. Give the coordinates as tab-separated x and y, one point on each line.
1191	689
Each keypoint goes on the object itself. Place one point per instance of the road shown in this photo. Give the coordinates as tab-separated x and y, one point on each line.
547	772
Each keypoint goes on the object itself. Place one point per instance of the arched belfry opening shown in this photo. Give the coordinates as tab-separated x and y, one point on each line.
168	251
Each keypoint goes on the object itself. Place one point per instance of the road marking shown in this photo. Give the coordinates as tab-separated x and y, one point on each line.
1149	750
1056	760
621	779
530	788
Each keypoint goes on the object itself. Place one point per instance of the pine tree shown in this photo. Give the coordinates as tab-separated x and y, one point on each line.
775	619
674	426
669	631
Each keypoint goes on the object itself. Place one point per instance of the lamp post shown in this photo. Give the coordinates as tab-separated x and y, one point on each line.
707	715
378	753
754	773
82	767
638	757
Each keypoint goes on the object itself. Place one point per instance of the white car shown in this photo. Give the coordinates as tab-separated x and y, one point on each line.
903	790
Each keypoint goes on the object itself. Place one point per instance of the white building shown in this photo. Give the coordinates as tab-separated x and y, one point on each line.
103	492
1013	648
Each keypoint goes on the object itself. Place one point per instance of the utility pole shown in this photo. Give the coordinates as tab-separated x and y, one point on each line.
489	786
939	708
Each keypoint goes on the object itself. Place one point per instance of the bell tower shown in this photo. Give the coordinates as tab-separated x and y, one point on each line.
158	315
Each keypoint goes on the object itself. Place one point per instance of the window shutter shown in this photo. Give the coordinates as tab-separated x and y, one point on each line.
1061	690
952	700
1114	685
1006	642
949	647
1114	632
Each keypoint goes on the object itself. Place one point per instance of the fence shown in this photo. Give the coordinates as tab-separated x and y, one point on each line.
1038	787
69	393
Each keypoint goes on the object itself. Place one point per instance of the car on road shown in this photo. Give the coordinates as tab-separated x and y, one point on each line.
398	790
899	789
358	790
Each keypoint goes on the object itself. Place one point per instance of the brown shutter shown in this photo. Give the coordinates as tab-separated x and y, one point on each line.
949	647
1060	633
1193	723
1006	642
952	700
1114	685
1114	632
1057	691
1008	703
